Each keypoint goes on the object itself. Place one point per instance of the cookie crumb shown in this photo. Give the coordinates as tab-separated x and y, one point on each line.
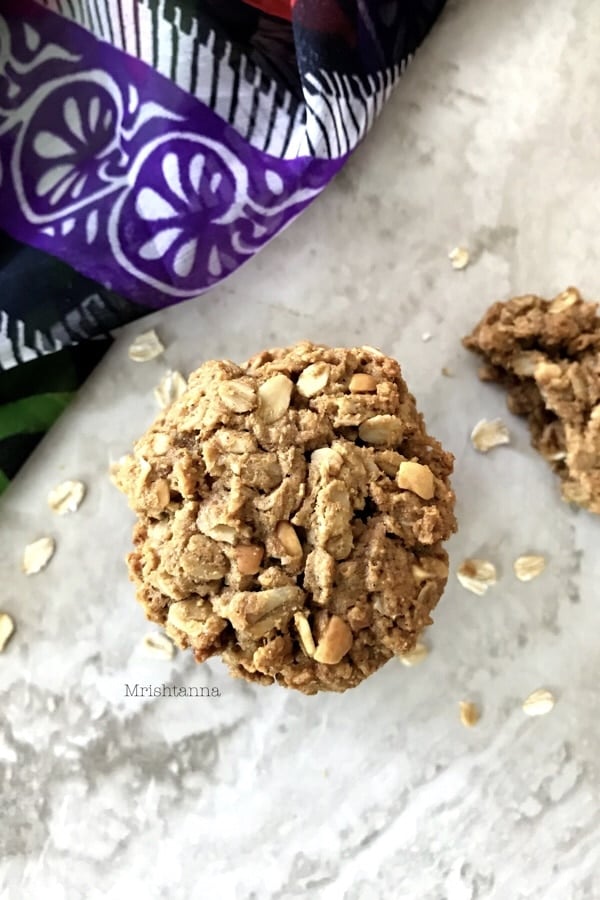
415	656
37	555
170	388
158	645
477	575
529	567
447	373
115	466
66	497
7	626
469	713
545	352
539	703
145	347
459	257
489	434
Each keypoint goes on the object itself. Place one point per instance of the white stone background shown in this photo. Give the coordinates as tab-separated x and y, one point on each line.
492	140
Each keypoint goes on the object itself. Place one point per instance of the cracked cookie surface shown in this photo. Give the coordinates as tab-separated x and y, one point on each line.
547	353
291	513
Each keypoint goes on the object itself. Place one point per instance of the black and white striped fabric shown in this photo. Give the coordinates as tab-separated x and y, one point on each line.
324	113
65	308
195	54
340	109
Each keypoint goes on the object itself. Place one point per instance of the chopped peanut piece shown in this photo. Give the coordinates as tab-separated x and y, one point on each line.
381	430
248	558
361	383
417	478
335	643
287	537
162	492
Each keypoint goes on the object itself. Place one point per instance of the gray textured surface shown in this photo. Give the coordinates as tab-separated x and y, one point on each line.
491	139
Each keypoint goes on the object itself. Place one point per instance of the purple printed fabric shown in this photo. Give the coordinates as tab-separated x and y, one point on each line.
112	167
148	148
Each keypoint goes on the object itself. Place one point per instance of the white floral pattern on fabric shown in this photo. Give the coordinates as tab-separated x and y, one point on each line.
88	135
68	149
168	199
199	187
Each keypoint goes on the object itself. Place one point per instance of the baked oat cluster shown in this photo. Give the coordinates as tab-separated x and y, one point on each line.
547	353
291	513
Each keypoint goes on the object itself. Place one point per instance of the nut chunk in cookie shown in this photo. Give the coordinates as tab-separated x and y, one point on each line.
291	514
547	353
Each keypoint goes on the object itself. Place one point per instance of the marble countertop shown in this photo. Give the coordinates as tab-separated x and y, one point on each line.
491	140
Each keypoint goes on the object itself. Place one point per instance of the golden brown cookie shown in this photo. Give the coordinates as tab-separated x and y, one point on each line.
291	513
547	353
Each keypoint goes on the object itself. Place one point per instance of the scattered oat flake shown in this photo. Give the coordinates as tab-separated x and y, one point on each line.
477	575
415	656
37	555
171	387
66	497
539	703
529	567
459	257
7	626
114	467
447	372
158	645
489	434
145	347
426	336
469	713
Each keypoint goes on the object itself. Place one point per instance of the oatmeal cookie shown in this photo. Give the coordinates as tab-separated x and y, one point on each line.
291	513
547	353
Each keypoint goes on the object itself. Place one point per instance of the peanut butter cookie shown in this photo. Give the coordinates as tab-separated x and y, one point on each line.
291	513
547	353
